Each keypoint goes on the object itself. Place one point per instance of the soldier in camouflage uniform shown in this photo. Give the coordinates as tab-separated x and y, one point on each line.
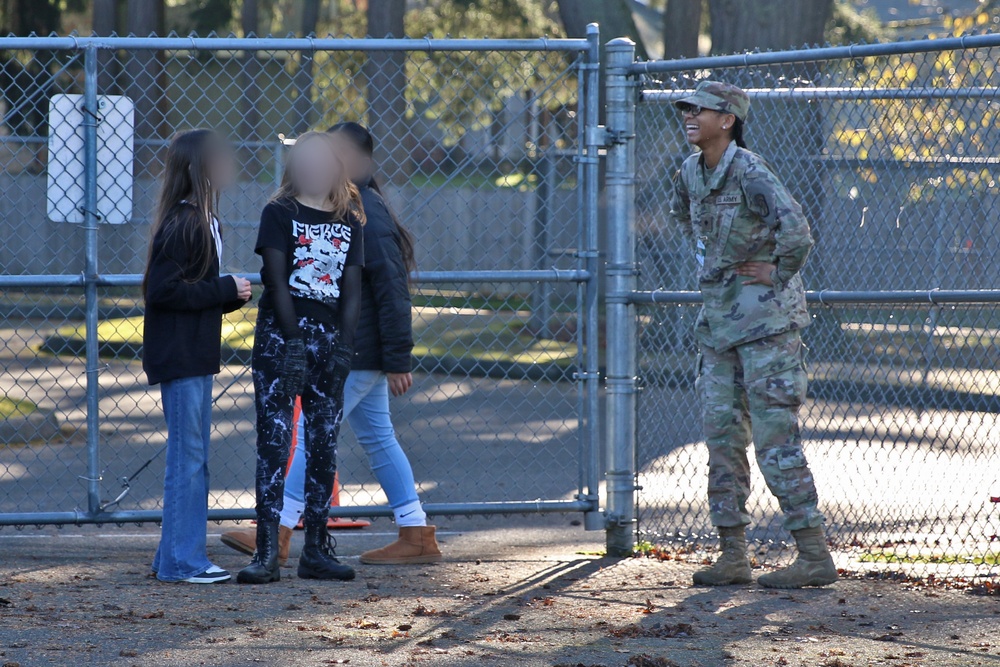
751	240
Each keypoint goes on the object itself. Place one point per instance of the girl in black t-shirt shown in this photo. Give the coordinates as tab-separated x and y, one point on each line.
310	240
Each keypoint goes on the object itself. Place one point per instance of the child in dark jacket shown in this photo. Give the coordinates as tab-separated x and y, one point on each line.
182	329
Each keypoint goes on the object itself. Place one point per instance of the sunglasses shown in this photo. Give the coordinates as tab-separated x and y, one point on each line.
689	109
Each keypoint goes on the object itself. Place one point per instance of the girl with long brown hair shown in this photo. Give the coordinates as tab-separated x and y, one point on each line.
311	243
185	300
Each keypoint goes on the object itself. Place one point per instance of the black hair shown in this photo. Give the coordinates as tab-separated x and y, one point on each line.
363	139
737	134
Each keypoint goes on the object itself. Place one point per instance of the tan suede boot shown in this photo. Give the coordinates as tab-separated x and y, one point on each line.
416	544
732	566
245	541
813	566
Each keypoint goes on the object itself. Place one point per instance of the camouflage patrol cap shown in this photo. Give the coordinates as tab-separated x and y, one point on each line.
719	96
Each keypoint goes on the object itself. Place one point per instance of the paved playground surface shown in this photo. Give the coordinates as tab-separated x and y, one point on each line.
529	592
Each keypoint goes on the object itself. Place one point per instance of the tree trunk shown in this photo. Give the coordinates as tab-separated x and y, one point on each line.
681	28
385	72
106	24
741	25
303	106
105	17
615	20
250	73
145	83
614	17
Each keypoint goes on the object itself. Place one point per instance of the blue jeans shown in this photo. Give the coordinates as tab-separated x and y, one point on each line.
187	407
366	408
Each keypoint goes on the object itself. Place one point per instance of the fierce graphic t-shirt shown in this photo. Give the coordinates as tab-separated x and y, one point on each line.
318	249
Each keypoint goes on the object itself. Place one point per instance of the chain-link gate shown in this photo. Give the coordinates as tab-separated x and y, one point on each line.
482	152
891	151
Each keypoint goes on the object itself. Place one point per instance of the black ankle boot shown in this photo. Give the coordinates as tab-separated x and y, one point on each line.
263	569
318	560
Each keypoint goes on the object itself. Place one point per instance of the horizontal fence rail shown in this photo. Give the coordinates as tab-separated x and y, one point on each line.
807	94
830	297
817	55
292	44
428	277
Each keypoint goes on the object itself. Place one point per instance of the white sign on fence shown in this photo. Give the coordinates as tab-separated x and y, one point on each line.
115	150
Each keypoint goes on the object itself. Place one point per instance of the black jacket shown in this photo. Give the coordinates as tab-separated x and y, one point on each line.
182	326
384	339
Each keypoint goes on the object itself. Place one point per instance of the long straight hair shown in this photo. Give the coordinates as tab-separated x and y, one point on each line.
186	179
364	140
344	197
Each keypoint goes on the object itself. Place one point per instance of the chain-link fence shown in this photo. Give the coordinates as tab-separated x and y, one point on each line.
481	151
489	152
891	151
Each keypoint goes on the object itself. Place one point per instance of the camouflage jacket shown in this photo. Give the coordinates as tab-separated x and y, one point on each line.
741	212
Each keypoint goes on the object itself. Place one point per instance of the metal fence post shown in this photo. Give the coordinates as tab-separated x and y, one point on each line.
620	283
593	519
91	277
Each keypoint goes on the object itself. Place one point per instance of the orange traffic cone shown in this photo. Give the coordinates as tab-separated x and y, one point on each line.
332	522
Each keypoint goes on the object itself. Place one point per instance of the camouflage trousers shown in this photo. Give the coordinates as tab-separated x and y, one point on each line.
754	391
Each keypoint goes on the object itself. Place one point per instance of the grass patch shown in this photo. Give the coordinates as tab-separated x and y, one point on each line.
930	559
10	407
475	302
474	180
122	337
443	345
479	181
516	180
643	548
497	342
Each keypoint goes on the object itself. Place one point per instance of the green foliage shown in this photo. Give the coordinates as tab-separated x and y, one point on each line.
40	17
457	91
481	18
460	92
11	407
849	26
957	129
210	16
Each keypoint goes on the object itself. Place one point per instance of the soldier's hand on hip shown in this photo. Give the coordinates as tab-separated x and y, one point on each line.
758	272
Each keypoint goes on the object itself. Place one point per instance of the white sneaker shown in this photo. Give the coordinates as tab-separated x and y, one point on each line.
213	575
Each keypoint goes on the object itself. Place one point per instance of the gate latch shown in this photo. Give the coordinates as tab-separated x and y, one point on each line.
607	137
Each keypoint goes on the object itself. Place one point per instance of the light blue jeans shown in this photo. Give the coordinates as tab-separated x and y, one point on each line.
187	407
366	409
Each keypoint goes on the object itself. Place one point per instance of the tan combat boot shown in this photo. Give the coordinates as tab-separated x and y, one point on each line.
813	566
416	544
245	541
732	566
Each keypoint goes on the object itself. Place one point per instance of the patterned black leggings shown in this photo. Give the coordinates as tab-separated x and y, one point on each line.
322	404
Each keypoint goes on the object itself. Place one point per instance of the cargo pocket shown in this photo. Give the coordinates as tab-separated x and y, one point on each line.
790	458
784	388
